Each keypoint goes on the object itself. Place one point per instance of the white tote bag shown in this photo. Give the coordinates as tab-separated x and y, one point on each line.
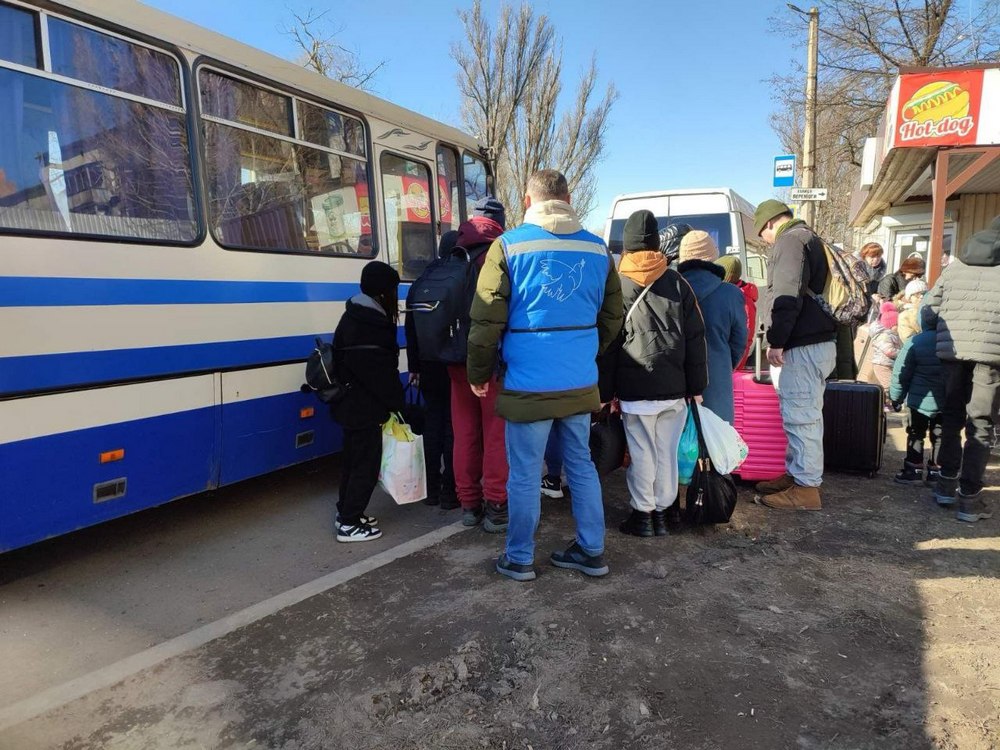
402	473
725	446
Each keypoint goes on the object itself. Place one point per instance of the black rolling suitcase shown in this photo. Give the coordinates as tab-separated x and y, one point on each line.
854	426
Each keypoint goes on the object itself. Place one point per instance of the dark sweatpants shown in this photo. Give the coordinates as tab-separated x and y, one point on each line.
970	401
360	463
847	366
439	440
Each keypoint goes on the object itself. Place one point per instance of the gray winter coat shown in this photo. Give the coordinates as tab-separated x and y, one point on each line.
965	302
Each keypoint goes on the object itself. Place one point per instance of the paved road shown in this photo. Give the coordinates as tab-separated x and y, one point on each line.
76	604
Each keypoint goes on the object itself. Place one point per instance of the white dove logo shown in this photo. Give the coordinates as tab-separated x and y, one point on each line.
563	279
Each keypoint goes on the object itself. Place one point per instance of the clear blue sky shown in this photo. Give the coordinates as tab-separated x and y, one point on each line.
693	108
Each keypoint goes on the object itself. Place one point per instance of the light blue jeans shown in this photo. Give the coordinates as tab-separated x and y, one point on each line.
525	451
801	385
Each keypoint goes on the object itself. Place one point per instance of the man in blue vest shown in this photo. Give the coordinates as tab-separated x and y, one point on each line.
548	301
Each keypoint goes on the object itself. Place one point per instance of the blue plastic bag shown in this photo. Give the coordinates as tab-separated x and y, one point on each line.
687	451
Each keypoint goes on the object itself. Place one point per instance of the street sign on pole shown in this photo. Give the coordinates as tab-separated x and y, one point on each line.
784	170
807	194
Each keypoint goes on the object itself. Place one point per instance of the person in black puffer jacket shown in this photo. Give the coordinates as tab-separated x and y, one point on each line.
367	361
659	358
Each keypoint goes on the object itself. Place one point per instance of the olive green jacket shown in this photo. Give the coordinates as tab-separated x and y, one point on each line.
489	320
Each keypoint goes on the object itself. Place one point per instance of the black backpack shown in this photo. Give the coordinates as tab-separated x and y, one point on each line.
439	303
321	373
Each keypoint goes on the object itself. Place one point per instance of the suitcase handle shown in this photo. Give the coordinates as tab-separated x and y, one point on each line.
758	376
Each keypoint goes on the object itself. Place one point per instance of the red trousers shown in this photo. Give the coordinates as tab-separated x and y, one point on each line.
480	456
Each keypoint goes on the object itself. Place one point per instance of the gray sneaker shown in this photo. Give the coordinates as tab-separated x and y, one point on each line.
472	516
496	519
945	490
972	508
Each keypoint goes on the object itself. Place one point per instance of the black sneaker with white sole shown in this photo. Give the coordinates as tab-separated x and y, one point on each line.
369	520
575	558
552	486
515	570
359	532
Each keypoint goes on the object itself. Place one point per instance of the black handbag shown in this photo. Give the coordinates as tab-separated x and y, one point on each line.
414	410
711	496
607	441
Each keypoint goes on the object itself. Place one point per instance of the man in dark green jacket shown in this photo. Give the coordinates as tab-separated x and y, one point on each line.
548	301
801	351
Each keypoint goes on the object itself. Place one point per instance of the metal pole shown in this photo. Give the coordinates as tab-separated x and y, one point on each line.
809	137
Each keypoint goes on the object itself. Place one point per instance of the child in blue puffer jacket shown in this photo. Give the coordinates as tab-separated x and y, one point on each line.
917	377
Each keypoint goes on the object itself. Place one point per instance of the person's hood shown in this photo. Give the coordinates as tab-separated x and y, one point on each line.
643	266
750	291
553	216
478	230
704	277
983	248
790	224
926	318
366	309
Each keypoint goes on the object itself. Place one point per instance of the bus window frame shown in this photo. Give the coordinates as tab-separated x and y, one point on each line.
219	66
489	177
193	136
458	152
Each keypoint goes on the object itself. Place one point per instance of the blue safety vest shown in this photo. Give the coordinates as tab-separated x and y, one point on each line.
556	291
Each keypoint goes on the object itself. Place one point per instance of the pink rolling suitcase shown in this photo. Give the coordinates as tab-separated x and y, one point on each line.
758	421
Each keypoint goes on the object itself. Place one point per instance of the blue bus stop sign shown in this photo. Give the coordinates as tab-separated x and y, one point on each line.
784	170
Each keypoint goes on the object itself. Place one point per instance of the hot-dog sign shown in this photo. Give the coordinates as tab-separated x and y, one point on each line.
939	109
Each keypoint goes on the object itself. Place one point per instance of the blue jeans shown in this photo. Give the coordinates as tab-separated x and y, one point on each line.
553	455
525	450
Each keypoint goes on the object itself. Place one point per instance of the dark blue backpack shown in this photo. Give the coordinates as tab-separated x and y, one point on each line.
440	301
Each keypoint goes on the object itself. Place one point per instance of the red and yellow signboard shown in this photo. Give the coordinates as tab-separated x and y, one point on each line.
939	109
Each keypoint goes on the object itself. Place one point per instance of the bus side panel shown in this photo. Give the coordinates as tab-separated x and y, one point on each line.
56	483
268	423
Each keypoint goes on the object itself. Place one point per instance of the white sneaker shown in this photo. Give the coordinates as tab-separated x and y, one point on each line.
360	532
552	486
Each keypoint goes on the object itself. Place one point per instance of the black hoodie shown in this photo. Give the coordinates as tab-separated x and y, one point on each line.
372	375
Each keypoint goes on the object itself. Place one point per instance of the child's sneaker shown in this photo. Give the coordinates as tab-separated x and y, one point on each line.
368	520
909	475
933	472
358	532
552	486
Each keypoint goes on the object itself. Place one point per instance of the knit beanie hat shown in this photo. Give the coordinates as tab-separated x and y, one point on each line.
378	277
448	242
698	245
914	266
888	315
491	208
641	232
733	267
767	211
917	286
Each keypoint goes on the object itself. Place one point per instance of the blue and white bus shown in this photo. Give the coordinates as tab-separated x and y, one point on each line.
180	216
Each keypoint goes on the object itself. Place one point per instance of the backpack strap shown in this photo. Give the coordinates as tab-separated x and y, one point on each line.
638	299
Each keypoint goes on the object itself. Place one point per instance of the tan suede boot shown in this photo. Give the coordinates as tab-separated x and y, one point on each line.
771	486
794	498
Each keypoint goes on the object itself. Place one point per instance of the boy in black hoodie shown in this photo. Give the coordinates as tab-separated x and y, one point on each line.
367	360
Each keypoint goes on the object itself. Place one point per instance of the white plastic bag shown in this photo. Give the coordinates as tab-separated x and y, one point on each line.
725	446
402	473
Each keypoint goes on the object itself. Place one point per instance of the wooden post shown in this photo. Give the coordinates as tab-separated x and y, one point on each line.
939	193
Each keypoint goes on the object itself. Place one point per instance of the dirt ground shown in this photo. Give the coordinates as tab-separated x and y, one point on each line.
872	624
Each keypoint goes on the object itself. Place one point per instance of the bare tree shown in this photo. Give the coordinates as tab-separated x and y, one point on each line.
322	52
862	46
510	77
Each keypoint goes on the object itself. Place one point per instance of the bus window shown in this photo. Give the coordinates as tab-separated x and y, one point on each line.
273	192
18	41
104	60
78	160
717	226
449	205
408	224
476	181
